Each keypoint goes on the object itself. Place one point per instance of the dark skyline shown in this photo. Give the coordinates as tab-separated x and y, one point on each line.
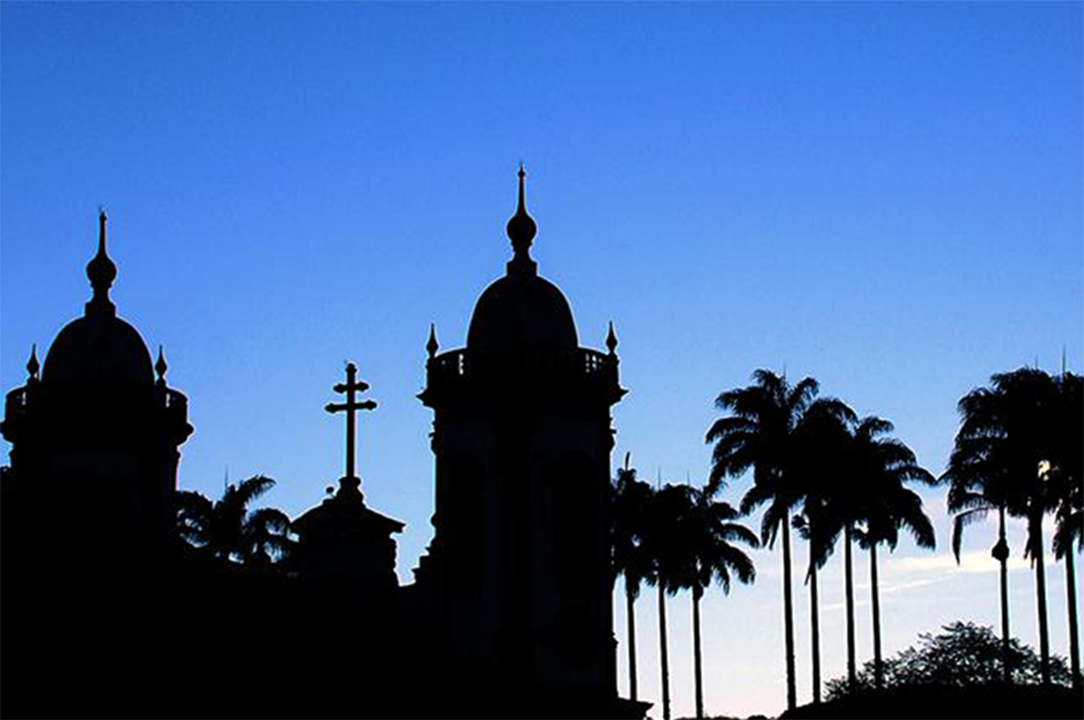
884	197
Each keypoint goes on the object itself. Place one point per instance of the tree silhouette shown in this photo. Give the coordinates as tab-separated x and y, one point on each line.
962	655
759	433
707	535
882	465
1006	432
631	500
662	537
978	485
822	445
226	530
1067	491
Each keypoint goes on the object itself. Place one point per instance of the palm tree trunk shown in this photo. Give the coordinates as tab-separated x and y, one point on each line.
1040	596
788	616
664	660
696	654
630	616
875	600
814	615
1004	560
848	586
1074	641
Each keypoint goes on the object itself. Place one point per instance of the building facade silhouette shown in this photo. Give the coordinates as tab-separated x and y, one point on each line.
99	429
519	568
510	612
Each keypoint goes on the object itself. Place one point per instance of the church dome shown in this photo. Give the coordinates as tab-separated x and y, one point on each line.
99	348
522	309
98	351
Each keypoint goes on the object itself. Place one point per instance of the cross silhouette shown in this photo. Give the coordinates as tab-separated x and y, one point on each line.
350	407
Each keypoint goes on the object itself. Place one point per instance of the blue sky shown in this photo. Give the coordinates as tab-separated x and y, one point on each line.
887	197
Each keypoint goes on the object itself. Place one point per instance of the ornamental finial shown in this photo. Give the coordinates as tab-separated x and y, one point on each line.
522	228
611	339
160	367
101	271
431	347
32	365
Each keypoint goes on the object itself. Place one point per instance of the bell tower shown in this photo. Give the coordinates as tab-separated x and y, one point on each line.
519	569
95	437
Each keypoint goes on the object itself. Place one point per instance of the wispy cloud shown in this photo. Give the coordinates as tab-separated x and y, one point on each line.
976	561
900	587
885	589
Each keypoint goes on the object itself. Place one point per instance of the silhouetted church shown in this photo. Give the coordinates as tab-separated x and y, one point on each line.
106	612
97	432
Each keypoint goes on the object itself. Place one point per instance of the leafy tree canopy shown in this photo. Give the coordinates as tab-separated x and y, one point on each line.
963	655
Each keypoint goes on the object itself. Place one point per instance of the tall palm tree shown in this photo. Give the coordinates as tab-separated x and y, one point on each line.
226	530
1006	431
833	504
1067	476
707	533
759	433
631	559
882	465
822	446
808	524
662	537
979	485
1067	533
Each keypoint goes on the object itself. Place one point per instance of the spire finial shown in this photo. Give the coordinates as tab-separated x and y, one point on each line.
32	365
160	367
431	347
611	339
101	272
522	207
522	229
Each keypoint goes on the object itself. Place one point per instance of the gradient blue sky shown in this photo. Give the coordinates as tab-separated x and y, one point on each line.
887	197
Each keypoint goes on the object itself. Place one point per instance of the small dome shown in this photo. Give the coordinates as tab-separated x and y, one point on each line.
522	310
98	350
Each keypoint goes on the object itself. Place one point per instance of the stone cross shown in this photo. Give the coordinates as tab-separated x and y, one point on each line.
350	407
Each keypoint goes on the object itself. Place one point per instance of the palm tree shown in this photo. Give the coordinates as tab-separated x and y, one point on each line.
809	523
822	472
267	536
707	533
631	500
226	530
882	465
1067	533
823	438
661	536
1005	432
1067	476
979	486
759	433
